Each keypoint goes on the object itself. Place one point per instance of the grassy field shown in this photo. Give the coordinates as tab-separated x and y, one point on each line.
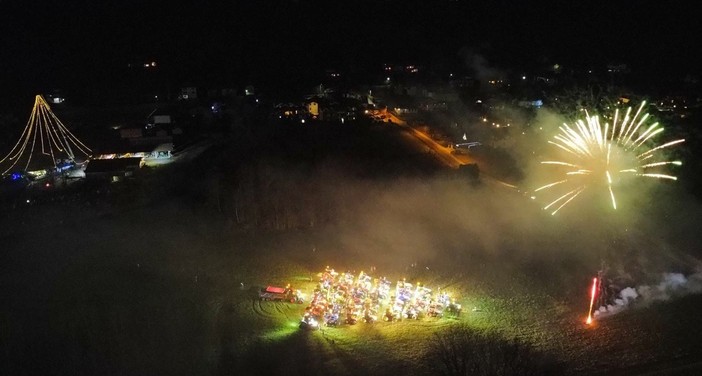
130	294
157	278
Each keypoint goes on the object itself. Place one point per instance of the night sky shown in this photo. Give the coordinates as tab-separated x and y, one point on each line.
77	44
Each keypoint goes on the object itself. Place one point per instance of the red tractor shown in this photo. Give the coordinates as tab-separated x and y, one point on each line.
281	294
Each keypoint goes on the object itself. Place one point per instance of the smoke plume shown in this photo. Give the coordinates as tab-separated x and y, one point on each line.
671	285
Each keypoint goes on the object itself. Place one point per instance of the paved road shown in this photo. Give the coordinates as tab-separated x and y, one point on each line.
445	155
441	152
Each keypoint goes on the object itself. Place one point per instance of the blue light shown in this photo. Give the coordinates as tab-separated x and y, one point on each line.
65	166
16	176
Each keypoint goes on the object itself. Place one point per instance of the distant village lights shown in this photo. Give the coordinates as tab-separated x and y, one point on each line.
146	65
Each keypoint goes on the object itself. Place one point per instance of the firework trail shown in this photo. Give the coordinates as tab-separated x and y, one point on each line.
592	301
600	155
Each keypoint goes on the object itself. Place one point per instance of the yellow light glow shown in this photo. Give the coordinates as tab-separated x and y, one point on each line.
55	140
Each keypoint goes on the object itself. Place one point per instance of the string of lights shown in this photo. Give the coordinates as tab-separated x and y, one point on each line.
54	140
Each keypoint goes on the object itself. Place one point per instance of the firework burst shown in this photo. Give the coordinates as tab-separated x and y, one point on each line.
599	154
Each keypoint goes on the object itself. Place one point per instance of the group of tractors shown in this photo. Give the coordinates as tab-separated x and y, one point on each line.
346	298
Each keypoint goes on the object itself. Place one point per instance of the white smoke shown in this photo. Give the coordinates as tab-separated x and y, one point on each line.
480	65
671	285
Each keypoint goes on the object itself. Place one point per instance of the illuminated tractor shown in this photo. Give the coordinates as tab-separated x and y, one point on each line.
444	299
364	281
384	287
374	297
342	290
435	310
281	294
412	313
453	309
351	318
422	296
328	276
369	316
390	316
309	321
332	319
404	291
360	294
346	279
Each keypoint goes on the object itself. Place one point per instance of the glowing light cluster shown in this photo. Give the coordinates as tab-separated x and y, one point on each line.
346	298
599	155
45	135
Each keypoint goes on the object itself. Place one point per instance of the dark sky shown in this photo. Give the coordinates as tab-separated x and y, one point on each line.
86	42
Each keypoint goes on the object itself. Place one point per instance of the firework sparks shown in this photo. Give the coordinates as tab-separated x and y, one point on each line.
592	300
598	152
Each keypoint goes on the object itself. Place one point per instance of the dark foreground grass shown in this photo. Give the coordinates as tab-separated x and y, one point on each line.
462	350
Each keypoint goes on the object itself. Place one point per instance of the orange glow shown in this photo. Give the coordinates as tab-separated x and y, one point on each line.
592	300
